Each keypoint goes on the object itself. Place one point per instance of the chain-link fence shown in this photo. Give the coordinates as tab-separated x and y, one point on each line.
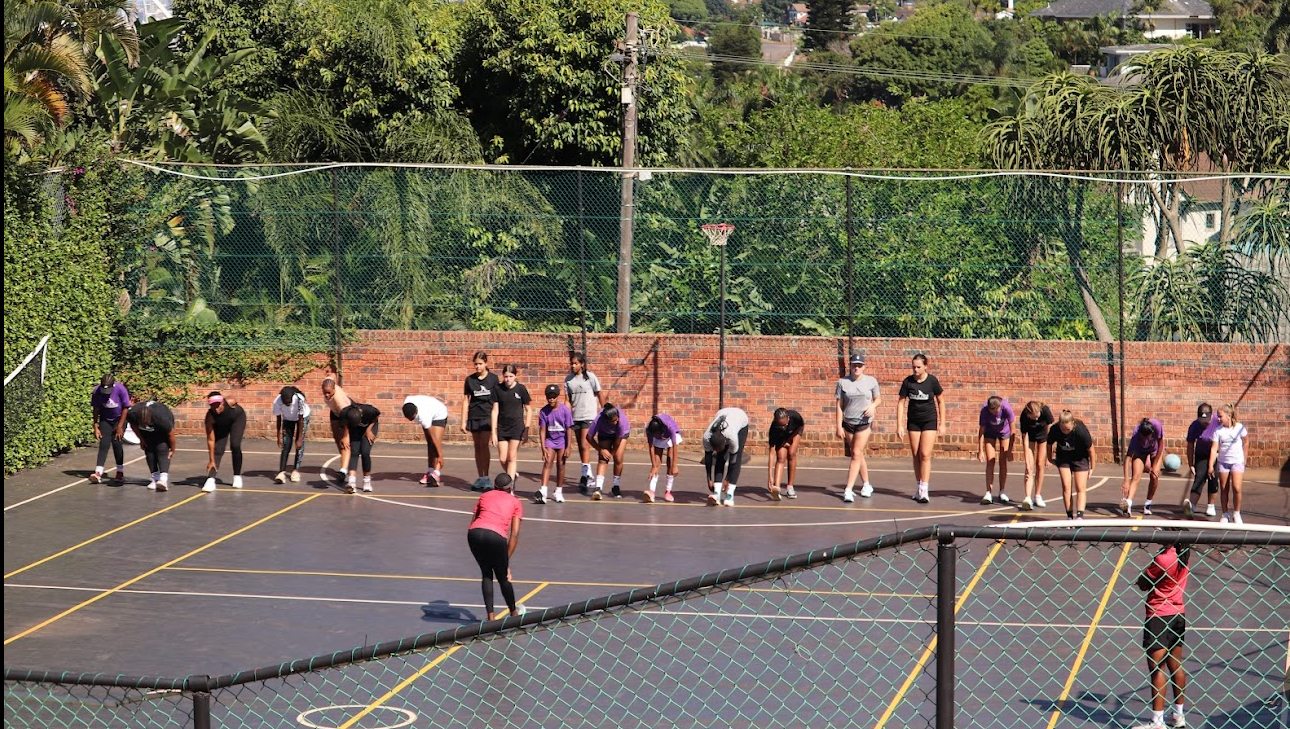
987	255
996	627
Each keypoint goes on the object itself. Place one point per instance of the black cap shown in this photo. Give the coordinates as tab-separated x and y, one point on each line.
552	391
857	359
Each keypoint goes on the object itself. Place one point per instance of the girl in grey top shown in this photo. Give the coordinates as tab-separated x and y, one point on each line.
585	399
723	444
857	398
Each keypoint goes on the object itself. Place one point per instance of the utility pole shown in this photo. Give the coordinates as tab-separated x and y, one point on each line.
627	212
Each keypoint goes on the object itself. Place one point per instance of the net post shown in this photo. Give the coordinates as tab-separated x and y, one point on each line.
717	234
946	593
201	702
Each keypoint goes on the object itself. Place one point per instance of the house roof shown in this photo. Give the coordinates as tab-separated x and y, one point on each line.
799	7
1093	8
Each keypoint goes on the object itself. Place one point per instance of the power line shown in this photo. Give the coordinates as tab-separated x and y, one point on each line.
880	31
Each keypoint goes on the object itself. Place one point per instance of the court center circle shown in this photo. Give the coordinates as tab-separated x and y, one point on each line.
409	716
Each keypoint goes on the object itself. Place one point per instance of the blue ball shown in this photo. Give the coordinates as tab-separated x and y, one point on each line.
1172	462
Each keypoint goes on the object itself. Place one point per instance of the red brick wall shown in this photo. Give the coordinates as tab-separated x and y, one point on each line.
677	374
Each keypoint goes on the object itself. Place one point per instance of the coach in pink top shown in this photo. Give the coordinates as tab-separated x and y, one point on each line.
1164	581
493	535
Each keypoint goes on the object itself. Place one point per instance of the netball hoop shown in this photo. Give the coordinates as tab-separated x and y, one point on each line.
717	234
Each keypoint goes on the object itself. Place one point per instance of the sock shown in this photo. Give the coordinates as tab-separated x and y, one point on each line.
653	484
559	491
600	482
1147	503
98	470
730	490
155	476
586	469
163	478
367	479
352	480
435	473
618	481
670	479
1178	709
1158	716
868	485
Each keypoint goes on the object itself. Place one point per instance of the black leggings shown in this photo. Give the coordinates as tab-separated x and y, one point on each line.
491	551
156	447
1203	475
107	438
230	440
360	448
289	429
726	466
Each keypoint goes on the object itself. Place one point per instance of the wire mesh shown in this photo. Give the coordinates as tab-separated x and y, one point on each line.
24	389
972	256
1047	626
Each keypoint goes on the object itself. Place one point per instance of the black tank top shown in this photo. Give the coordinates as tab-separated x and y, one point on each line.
224	421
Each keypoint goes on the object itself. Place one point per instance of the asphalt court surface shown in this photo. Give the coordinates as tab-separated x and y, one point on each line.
123	580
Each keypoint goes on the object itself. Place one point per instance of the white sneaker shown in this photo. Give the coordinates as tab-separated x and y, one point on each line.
295	477
1177	721
1146	508
1211	511
1236	518
1226	518
790	493
1187	510
713	500
209	486
649	496
1003	498
367	485
1153	724
987	499
539	496
558	496
866	491
848	496
521	609
96	477
237	482
152	485
920	495
281	477
1027	504
1039	502
730	500
1126	507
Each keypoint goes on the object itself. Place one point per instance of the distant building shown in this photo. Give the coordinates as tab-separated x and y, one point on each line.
1174	18
1117	62
152	10
798	14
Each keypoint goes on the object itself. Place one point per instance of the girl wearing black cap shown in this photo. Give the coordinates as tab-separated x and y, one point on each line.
555	421
510	419
857	398
291	416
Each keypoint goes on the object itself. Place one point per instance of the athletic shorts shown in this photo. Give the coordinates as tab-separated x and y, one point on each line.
856	426
665	442
581	424
1079	466
921	425
440	423
479	425
513	431
335	417
998	441
1147	457
1164	632
609	444
781	442
1220	467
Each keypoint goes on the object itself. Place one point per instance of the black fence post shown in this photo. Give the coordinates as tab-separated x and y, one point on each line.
582	261
339	335
947	553
1119	258
200	686
851	256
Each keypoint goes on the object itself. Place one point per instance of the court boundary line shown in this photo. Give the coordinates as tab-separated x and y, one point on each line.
77	482
155	570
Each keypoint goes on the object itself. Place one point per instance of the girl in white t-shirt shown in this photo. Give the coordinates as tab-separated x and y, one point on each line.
1227	459
291	416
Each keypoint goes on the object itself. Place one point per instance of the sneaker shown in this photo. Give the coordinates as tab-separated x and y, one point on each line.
349	488
425	479
1146	508
1236	518
431	481
282	477
583	484
649	497
790	493
295	477
1150	725
539	496
367	485
152	485
712	499
1039	502
848	496
729	500
1003	498
120	477
1027	504
866	490
1177	721
521	609
161	486
617	491
1070	514
558	496
237	482
1079	515
481	484
921	495
1210	511
209	486
1187	510
987	499
1226	518
667	496
596	495
774	494
96	477
1126	507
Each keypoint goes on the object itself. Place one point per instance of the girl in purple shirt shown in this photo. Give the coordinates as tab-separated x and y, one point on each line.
664	435
109	402
994	443
1145	454
608	436
555	420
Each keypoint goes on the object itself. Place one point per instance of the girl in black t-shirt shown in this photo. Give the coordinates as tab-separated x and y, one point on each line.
364	423
1036	420
785	437
1070	448
477	416
920	413
510	419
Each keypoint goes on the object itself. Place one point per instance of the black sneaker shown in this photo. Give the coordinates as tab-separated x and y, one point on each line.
617	492
1079	515
582	484
1070	514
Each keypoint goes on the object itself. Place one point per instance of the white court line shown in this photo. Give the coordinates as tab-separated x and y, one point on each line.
1005	509
77	482
662	613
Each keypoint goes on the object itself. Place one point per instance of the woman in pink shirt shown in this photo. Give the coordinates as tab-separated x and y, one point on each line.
493	535
1165	581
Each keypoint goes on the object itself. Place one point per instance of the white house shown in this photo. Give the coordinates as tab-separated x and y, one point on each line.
1174	18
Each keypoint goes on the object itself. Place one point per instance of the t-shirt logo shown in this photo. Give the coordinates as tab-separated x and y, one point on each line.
919	395
112	403
483	392
1065	446
555	427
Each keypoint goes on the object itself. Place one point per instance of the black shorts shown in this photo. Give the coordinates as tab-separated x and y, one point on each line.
609	444
1165	632
780	442
440	423
921	425
1079	466
856	426
479	425
509	431
581	424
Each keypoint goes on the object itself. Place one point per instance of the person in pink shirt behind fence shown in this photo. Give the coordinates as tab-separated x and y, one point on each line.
493	535
1165	581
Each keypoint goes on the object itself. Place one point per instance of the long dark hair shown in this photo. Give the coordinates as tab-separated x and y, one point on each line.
581	359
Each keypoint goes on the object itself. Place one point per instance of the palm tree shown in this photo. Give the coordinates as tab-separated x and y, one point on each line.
42	57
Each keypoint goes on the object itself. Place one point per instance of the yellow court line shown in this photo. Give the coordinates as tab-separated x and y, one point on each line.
155	570
1088	636
140	520
931	645
423	671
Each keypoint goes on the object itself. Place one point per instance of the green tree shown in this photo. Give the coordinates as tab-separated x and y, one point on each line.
729	42
43	58
688	10
911	58
830	21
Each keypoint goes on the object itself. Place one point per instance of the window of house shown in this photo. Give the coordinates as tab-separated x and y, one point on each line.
1210	221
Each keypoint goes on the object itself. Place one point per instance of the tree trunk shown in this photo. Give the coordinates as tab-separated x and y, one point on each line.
1167	208
1074	242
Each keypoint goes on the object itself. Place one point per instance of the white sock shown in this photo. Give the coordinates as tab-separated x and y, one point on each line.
352	480
586	469
1147	503
542	490
163	478
435	473
367	479
1158	716
653	484
868	485
98	470
618	480
670	479
600	482
1178	709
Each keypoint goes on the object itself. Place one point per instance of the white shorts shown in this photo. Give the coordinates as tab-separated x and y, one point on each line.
1221	467
666	442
